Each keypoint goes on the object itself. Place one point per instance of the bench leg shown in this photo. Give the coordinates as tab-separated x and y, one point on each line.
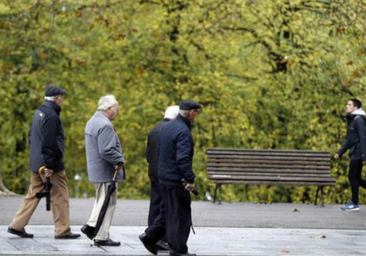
316	195
219	193
321	189
214	199
322	196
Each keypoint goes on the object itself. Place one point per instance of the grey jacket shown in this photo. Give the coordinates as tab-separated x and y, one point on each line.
103	149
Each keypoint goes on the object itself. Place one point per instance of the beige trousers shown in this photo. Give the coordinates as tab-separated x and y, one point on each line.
101	192
59	203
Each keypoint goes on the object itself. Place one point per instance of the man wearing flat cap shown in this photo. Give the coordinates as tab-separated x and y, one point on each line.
47	144
175	164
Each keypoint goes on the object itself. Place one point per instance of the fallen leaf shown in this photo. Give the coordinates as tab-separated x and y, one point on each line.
320	237
285	251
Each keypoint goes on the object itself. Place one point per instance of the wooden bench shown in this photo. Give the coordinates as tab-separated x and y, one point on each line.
269	167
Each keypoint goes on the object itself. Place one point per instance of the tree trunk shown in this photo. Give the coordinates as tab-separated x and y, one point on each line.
4	191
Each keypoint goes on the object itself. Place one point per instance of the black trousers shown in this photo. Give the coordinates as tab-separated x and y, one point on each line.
174	220
354	176
155	201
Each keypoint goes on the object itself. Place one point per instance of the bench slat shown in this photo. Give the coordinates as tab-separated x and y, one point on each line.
265	151
269	161
269	178
277	183
289	174
258	166
269	157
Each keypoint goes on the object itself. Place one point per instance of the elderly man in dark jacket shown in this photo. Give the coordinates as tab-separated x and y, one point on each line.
152	157
355	142
47	143
175	164
104	157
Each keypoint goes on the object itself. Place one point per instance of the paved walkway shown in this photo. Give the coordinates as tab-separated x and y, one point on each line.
207	241
230	229
207	214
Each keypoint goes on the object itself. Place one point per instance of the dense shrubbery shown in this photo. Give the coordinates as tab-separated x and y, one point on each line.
270	74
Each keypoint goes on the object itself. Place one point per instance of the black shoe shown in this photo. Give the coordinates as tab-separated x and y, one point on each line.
148	244
162	246
173	253
88	231
22	234
69	236
108	242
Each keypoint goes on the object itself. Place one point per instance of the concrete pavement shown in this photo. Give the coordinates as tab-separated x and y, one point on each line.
207	214
230	229
206	242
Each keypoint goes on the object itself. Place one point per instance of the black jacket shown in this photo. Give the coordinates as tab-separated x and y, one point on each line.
46	138
356	138
176	151
152	149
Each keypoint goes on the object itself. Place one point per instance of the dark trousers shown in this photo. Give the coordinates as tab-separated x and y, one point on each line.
174	220
155	201
354	176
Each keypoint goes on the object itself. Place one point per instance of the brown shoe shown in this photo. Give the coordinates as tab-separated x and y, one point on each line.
22	234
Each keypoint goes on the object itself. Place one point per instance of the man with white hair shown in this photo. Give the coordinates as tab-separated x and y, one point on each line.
175	166
104	157
47	146
152	157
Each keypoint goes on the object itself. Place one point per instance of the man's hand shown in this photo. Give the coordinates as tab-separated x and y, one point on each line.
48	172
190	186
336	156
118	167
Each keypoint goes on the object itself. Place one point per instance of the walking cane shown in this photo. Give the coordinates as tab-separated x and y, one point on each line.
46	192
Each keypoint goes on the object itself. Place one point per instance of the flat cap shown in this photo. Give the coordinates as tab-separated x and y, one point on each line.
54	91
188	105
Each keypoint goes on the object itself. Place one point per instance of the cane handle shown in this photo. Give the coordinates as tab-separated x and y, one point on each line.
41	169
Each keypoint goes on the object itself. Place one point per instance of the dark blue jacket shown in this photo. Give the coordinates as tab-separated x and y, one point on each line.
355	140
152	149
46	138
176	151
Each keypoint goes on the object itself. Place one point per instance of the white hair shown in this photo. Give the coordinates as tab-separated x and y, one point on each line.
50	98
106	102
171	112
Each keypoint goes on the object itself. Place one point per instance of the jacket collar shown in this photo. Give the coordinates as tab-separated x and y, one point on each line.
359	112
53	105
184	120
351	117
99	114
